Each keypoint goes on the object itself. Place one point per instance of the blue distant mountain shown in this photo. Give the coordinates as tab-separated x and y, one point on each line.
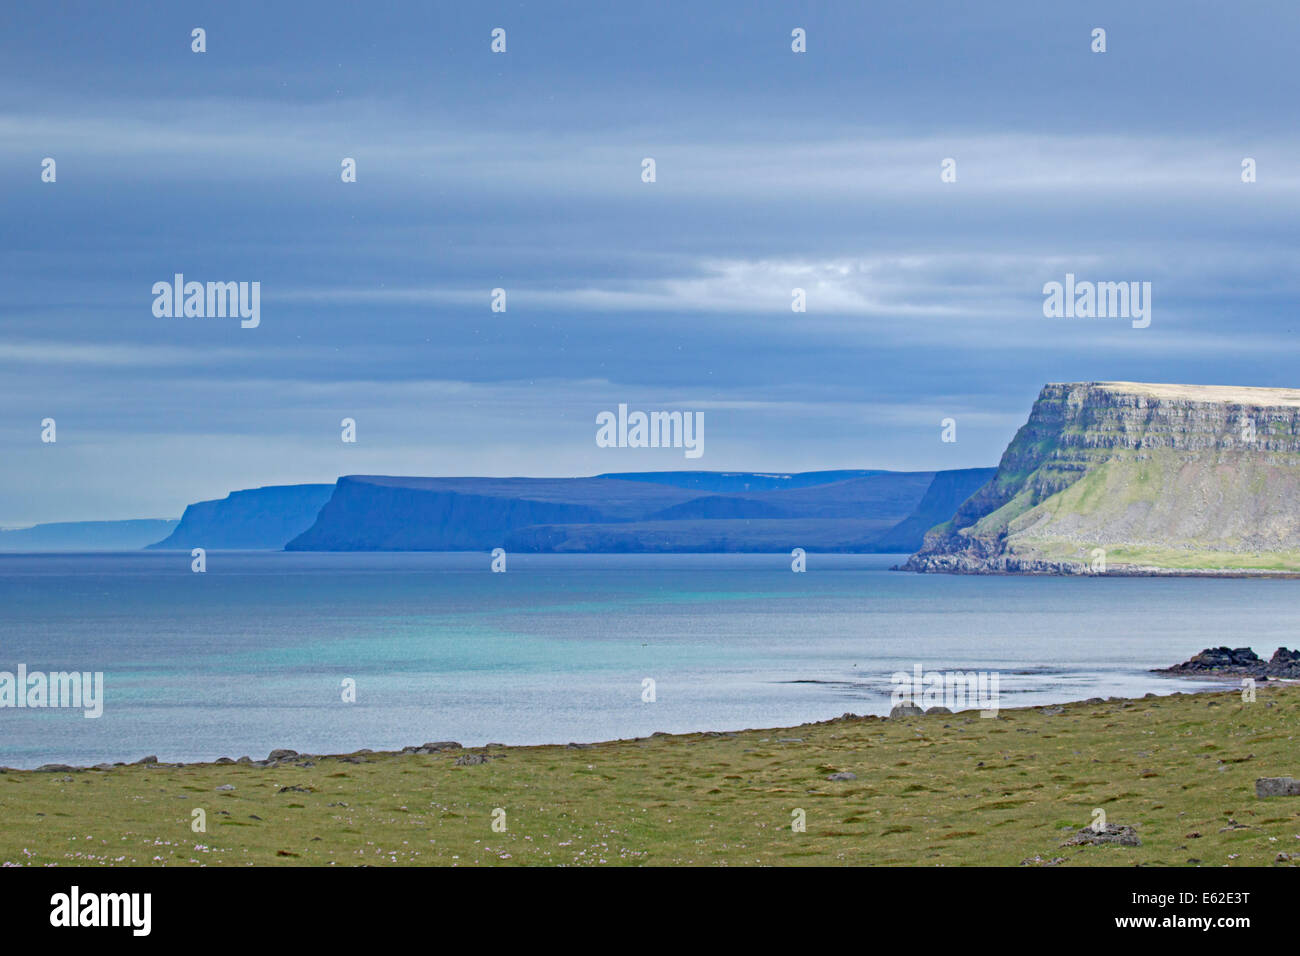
129	535
847	511
869	511
251	520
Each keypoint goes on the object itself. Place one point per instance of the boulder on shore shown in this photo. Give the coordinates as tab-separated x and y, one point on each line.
1238	662
1283	658
905	709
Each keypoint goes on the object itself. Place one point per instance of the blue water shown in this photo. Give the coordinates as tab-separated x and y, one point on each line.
250	655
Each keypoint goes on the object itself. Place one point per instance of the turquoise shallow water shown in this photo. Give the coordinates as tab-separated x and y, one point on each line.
250	655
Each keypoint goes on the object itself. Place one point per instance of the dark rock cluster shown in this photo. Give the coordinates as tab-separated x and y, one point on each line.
1238	662
1110	833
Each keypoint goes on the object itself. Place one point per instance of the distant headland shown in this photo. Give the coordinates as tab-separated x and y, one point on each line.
851	511
1105	478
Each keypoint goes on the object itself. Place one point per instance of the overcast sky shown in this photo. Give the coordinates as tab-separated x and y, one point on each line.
522	170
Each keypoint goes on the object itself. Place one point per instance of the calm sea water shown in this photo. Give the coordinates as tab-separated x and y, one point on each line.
251	655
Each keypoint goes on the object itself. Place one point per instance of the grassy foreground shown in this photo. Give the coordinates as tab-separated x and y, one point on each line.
941	789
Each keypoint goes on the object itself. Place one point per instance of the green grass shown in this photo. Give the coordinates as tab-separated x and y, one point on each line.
1099	505
951	789
1170	559
1206	560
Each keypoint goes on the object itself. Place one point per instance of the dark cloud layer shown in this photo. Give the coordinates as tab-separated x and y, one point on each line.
475	171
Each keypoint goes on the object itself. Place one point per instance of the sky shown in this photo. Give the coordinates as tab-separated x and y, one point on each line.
522	170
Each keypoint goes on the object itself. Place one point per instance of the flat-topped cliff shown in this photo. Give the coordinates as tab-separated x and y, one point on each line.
1136	478
723	512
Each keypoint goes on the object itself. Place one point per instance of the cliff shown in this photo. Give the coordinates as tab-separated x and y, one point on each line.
843	511
254	519
1130	478
944	496
679	512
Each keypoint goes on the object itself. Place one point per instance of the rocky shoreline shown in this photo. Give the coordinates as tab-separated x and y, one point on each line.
276	758
474	755
1028	567
1238	662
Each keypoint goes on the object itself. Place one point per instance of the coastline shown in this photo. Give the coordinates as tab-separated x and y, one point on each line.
1075	569
934	789
259	646
1209	680
287	755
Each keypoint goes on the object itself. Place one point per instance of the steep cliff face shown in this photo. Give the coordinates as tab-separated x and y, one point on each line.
253	519
946	494
689	512
378	513
1130	478
842	511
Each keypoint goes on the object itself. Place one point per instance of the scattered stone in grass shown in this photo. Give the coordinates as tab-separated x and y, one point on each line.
1277	787
1112	833
844	775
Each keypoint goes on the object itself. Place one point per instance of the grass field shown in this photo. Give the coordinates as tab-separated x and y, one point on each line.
934	790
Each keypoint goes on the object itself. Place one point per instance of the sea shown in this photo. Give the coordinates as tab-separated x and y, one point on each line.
331	652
